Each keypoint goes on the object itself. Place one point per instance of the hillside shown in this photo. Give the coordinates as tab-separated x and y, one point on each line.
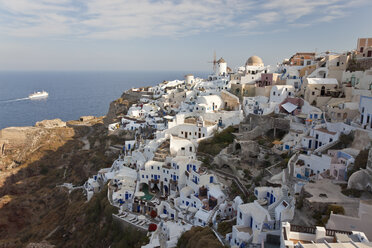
33	208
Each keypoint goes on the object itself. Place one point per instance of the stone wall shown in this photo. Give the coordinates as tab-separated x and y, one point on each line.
257	125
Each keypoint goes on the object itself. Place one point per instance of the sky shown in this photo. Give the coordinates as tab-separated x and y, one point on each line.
165	35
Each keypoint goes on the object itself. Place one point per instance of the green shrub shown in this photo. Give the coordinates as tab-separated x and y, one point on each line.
219	141
44	170
336	209
352	192
360	162
225	227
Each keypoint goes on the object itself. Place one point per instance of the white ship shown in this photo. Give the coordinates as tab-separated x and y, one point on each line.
38	95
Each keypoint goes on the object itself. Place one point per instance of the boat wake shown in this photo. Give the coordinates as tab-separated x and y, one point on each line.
15	100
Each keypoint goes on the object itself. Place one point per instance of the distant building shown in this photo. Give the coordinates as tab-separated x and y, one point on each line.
293	236
365	109
301	59
364	43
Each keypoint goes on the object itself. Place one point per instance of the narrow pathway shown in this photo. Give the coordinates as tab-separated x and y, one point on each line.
235	179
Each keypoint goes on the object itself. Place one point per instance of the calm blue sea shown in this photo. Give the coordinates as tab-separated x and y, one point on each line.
71	94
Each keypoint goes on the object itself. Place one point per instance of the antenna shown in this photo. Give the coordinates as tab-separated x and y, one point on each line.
214	61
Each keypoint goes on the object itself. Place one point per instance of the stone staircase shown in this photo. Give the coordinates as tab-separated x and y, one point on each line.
214	210
162	152
285	197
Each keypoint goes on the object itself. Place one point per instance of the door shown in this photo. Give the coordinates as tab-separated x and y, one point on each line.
322	91
251	223
185	135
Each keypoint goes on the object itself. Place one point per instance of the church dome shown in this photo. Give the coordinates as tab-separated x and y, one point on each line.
254	61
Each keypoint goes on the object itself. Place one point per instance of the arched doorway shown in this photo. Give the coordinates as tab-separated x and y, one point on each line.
322	91
166	190
238	147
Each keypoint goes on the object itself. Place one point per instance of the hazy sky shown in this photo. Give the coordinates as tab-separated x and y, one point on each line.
172	35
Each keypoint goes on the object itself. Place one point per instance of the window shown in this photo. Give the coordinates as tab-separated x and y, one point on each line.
190	149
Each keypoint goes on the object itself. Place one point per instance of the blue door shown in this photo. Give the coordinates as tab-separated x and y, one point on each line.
271	198
307	173
128	146
138	208
251	223
165	211
211	180
156	177
309	144
126	196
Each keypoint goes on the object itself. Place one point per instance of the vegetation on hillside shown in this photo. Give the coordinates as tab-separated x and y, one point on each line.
225	227
219	141
34	208
198	237
360	162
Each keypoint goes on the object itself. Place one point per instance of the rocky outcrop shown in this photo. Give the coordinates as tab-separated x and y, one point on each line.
362	179
17	143
122	104
50	123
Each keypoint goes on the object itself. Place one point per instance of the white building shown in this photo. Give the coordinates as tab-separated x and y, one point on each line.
124	183
319	237
365	109
255	220
319	137
208	103
279	93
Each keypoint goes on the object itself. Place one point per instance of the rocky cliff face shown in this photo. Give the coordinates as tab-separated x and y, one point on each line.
121	105
34	209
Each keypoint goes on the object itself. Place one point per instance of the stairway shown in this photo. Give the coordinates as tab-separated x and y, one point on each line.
284	197
162	152
214	210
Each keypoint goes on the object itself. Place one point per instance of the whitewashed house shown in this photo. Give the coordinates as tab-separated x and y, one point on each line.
279	93
255	220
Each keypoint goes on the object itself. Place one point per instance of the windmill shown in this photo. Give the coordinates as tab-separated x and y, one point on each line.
214	61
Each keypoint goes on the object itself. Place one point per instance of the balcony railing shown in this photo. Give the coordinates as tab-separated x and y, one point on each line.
331	232
303	229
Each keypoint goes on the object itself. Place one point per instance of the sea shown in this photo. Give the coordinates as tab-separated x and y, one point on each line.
71	94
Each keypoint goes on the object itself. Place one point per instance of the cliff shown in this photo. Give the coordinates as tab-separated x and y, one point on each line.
34	210
121	105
